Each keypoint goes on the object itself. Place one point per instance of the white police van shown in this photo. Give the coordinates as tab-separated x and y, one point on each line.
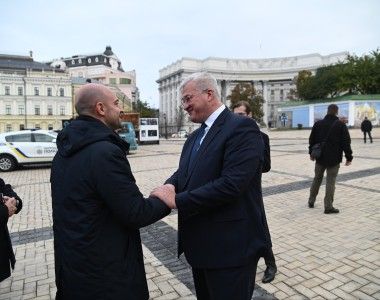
26	147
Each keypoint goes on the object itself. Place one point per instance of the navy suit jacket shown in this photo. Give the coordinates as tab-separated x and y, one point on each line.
221	220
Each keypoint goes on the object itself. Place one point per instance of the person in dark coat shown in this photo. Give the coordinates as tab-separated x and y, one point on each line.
217	191
97	206
243	108
338	141
366	127
10	204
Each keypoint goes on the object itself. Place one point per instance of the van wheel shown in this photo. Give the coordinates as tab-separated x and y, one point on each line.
7	163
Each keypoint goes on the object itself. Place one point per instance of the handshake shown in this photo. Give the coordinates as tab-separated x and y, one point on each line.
166	193
10	203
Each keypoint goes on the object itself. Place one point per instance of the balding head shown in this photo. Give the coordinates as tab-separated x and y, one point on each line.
87	97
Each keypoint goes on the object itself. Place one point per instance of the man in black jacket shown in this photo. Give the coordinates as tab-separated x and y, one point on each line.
336	138
366	127
10	204
97	206
242	108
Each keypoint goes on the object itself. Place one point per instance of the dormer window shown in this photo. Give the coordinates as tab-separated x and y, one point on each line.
73	62
89	60
96	59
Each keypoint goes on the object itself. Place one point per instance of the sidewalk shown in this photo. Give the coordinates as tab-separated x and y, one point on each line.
318	256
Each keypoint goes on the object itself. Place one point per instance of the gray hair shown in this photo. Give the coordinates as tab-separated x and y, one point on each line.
203	81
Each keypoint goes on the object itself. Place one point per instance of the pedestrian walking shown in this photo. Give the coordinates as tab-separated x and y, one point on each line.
332	138
366	127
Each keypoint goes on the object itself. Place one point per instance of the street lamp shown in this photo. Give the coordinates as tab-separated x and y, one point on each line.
165	125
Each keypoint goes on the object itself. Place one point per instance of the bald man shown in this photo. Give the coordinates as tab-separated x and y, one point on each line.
97	207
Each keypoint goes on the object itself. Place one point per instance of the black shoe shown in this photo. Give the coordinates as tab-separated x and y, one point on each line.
269	274
311	205
331	211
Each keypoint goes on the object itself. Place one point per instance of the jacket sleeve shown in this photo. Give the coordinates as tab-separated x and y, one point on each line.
243	153
267	161
116	186
346	143
312	141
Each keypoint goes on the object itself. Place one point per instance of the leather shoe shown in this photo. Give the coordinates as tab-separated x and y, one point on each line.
269	274
331	211
311	205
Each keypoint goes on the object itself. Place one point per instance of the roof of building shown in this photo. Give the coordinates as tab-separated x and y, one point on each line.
80	60
18	62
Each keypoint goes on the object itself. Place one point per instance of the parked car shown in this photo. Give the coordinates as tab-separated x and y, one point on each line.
180	134
26	147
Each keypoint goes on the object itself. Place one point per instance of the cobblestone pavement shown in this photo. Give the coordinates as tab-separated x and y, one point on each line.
318	256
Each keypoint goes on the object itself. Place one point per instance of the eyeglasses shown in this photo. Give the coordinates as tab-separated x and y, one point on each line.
187	99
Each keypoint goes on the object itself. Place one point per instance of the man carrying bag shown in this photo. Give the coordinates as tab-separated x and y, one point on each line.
333	138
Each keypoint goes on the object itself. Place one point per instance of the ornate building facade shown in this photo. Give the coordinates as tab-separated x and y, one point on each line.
272	77
103	67
32	94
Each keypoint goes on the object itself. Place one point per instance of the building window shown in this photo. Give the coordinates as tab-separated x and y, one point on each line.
22	127
62	110
49	91
96	59
80	60
50	127
21	109
89	60
37	110
8	128
50	110
73	62
36	91
20	91
8	109
112	80
7	90
125	81
37	126
61	92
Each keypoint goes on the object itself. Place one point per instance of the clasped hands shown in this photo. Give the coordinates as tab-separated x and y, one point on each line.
165	193
11	204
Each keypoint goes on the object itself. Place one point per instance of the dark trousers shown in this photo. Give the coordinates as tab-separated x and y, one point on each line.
269	257
235	283
365	136
332	173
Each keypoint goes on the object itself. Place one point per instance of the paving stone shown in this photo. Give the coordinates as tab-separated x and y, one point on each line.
318	256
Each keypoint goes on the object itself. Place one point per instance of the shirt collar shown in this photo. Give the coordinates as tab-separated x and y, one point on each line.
211	119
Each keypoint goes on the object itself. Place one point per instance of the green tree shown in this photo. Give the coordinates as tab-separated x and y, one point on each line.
246	92
144	109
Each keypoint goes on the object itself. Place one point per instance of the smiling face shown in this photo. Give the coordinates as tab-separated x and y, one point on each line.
197	102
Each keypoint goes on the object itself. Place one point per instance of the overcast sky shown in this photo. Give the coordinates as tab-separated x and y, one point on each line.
147	35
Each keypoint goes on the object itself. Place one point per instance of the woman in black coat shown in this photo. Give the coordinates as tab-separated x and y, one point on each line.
9	205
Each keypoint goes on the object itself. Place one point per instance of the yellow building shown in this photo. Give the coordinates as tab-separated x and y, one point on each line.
32	94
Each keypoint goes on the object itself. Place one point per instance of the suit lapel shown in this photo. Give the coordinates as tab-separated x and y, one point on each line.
202	152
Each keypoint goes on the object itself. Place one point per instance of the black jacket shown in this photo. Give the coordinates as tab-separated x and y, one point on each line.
366	126
338	141
97	213
7	257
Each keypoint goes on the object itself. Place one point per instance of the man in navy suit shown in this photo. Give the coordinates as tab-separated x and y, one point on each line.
216	189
